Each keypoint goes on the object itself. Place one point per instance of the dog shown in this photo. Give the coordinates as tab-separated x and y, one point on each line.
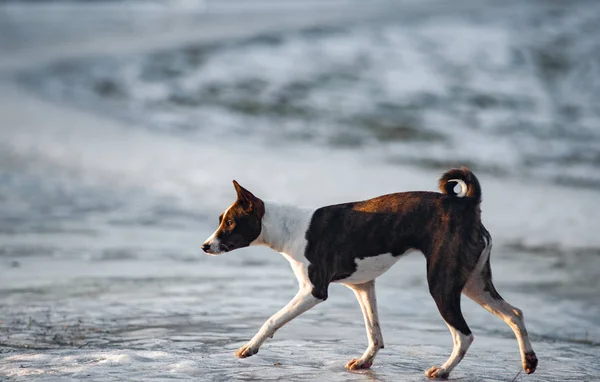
354	243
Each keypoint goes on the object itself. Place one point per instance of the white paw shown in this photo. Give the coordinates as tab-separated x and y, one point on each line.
437	372
356	364
246	351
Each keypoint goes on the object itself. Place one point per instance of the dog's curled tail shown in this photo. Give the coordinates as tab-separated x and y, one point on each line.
469	185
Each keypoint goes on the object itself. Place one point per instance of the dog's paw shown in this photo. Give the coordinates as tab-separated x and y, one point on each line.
356	364
437	372
530	363
246	351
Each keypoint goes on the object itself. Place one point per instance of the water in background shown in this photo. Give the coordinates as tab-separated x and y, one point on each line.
507	90
107	191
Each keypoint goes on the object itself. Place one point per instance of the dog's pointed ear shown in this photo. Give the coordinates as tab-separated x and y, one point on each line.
245	197
249	202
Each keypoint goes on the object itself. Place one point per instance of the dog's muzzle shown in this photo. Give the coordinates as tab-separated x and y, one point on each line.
214	247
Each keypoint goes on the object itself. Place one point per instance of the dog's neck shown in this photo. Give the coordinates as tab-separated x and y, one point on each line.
284	227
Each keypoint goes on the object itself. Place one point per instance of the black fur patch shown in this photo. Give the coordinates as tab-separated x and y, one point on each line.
446	228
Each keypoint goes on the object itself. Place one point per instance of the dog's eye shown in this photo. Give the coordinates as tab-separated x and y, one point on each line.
229	223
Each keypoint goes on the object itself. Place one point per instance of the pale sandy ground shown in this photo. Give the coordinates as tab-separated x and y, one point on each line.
158	309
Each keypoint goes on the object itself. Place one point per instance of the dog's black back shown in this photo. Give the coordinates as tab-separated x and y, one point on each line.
446	228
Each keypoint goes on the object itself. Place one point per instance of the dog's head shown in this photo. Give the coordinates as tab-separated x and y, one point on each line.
239	225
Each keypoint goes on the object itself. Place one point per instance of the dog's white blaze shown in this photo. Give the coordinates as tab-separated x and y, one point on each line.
463	187
370	268
212	239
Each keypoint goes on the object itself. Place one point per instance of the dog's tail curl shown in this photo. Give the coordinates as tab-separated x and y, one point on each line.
469	185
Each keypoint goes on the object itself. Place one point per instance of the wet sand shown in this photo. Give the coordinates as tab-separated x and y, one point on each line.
115	302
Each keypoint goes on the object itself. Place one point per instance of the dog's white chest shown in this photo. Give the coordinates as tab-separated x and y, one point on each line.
369	268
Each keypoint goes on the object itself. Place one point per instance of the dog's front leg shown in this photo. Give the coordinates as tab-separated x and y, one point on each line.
303	301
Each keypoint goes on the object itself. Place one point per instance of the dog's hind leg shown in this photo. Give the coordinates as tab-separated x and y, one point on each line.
446	280
365	294
480	289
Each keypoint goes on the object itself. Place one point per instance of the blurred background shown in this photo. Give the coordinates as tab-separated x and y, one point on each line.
123	123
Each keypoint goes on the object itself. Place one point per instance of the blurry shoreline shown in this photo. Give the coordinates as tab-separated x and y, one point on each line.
380	82
33	34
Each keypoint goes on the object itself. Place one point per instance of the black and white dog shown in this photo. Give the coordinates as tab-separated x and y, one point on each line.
354	243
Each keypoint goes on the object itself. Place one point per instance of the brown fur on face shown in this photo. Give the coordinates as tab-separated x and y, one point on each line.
240	224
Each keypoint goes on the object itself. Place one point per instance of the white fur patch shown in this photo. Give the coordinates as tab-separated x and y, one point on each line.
214	244
463	187
283	230
369	268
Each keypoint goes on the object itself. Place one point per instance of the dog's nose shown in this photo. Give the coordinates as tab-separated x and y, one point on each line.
206	247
